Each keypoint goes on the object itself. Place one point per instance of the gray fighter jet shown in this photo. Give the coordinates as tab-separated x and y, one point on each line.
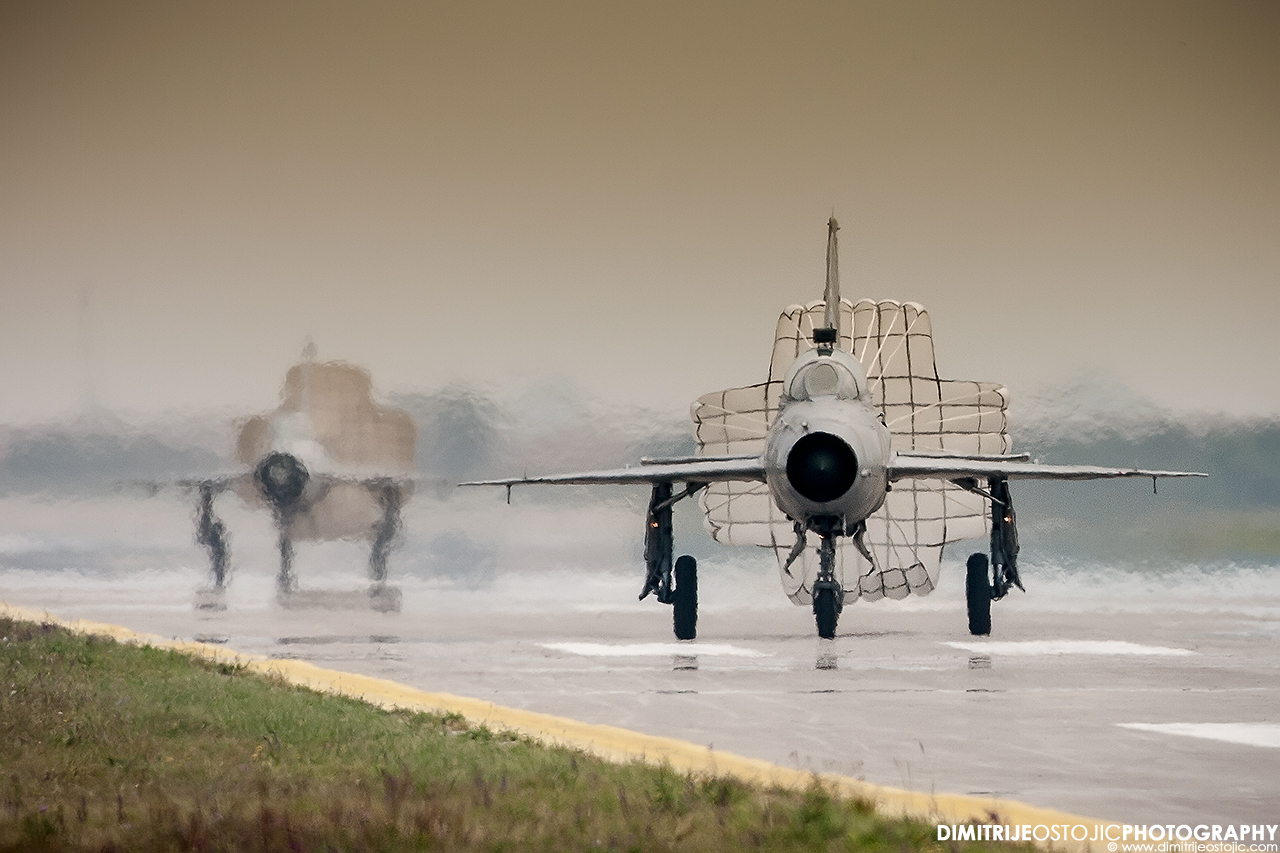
854	438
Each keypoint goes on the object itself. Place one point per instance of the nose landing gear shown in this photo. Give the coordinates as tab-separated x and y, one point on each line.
828	594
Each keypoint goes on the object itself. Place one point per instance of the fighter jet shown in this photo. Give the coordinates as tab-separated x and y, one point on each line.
329	463
857	440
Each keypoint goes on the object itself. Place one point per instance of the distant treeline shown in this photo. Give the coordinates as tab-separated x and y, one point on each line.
90	461
1234	514
1242	457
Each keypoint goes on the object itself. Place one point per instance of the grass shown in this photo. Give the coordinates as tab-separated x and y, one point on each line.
112	747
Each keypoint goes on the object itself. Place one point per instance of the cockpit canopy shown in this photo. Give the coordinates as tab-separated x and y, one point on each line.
815	375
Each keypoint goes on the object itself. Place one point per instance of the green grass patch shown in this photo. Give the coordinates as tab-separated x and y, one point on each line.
112	747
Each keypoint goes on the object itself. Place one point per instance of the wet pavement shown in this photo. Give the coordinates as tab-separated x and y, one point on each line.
1146	706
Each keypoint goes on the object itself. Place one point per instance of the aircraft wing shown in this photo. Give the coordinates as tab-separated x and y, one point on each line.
231	480
219	482
905	465
242	480
692	471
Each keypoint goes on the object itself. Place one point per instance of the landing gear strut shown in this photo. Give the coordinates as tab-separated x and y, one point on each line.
212	534
286	580
1004	541
388	495
980	588
389	498
678	588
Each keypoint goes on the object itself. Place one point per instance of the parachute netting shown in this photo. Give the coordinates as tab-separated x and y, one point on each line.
894	342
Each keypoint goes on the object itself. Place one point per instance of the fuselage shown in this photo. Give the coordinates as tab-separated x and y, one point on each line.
827	453
314	457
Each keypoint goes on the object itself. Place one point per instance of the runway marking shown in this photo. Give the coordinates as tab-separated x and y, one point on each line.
604	741
1250	734
635	650
1029	648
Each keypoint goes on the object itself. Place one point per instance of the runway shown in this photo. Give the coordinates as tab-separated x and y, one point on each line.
1138	698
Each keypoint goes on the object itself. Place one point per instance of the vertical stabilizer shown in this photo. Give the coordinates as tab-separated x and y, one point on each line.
308	362
832	295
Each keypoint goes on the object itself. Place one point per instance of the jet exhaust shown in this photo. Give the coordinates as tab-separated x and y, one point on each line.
283	478
821	466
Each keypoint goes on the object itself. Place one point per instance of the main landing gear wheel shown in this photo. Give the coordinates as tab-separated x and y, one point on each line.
977	594
826	611
684	609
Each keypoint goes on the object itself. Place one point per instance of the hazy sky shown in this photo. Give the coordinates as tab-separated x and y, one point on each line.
624	195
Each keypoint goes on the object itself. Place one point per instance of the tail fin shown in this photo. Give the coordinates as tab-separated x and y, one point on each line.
832	295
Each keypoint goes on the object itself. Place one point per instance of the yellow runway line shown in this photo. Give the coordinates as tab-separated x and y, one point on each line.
621	745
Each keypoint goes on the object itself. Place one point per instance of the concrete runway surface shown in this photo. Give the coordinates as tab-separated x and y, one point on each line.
1140	698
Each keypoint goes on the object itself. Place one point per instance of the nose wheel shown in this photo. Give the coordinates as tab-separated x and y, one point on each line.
826	612
828	595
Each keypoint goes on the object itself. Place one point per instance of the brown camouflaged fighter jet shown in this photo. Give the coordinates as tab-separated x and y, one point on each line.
330	463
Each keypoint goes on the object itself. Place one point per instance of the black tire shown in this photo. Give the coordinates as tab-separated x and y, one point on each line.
826	612
684	610
977	595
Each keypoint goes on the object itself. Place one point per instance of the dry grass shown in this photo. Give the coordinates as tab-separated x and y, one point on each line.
112	747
